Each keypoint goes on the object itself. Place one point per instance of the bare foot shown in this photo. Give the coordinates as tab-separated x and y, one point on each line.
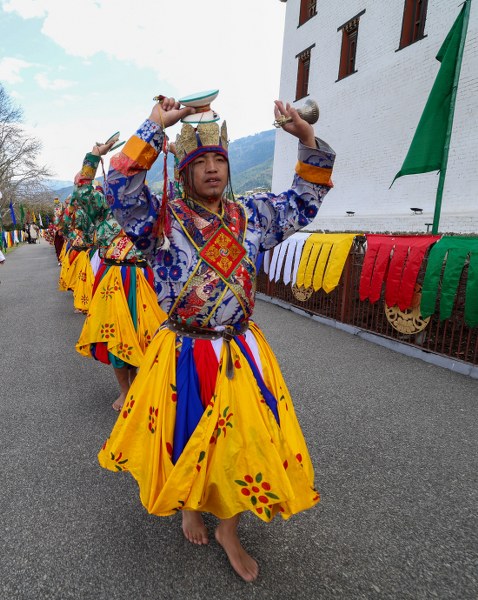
78	311
118	403
244	565
193	527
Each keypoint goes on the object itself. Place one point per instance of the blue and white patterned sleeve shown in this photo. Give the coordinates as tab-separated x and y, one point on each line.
278	217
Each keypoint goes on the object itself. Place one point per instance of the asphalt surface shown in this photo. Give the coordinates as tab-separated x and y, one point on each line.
393	440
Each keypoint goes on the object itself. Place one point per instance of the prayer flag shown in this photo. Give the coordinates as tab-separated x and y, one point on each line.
426	150
22	214
12	214
40	220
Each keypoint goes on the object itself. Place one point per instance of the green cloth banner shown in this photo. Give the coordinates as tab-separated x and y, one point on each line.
426	150
444	270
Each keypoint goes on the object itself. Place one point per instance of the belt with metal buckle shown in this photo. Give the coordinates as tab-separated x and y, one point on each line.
228	333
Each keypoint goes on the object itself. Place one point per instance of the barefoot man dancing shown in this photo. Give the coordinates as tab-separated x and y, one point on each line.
208	424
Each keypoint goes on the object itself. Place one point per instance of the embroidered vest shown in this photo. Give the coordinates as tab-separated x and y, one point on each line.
223	265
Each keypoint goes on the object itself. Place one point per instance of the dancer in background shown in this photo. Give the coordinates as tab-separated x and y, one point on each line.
123	314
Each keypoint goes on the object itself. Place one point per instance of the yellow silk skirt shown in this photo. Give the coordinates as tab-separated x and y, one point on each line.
83	287
62	251
71	278
65	266
109	319
237	459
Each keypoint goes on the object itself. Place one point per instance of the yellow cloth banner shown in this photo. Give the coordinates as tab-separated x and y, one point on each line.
323	260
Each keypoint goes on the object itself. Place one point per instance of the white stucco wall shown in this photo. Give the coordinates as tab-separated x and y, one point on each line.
369	118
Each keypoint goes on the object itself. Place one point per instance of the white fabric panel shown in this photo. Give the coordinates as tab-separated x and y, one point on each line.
266	262
298	254
251	341
272	267
95	262
288	261
280	259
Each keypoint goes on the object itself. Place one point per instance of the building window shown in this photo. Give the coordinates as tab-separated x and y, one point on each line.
303	70
308	9
349	46
413	25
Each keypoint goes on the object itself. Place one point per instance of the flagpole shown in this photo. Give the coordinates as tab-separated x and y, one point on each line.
446	146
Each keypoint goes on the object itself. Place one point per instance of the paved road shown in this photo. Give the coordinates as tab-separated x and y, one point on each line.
393	440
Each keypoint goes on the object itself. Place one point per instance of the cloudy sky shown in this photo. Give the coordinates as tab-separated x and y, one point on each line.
83	69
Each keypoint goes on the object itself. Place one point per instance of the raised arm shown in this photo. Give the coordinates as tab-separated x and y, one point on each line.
280	216
132	202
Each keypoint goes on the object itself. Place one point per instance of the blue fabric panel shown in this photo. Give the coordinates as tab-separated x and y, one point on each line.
189	408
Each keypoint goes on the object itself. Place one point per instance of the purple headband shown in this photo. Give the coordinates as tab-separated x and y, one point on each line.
199	152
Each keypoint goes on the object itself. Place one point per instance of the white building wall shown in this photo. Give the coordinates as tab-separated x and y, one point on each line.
369	118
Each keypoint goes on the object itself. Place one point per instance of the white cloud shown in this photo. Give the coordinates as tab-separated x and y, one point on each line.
187	47
233	46
25	8
53	84
11	68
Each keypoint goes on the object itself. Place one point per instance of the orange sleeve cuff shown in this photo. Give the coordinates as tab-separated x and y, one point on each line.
140	152
314	174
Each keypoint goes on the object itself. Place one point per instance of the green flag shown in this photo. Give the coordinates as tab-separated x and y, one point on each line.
22	214
426	150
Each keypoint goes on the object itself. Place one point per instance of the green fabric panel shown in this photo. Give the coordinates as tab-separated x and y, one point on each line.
132	297
116	362
426	150
471	303
455	261
431	280
455	249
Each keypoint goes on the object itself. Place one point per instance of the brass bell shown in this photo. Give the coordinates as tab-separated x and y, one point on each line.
309	112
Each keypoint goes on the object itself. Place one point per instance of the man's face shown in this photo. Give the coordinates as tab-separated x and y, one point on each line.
209	175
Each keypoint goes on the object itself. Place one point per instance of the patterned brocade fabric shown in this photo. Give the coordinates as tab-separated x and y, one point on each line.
88	170
140	151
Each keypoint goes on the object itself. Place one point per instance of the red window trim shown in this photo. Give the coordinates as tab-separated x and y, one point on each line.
303	73
307	10
348	49
413	22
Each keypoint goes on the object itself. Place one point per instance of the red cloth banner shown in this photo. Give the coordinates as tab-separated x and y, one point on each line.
395	260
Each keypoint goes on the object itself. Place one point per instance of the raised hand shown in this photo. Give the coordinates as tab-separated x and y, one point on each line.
297	126
167	112
100	149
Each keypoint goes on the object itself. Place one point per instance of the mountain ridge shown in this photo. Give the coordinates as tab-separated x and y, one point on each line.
250	160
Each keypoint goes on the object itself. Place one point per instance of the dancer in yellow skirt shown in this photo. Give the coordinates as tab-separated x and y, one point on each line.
123	314
63	223
208	424
76	273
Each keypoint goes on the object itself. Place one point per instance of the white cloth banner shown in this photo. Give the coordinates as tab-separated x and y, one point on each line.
283	257
266	261
298	254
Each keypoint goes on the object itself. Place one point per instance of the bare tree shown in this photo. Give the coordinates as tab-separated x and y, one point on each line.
22	179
